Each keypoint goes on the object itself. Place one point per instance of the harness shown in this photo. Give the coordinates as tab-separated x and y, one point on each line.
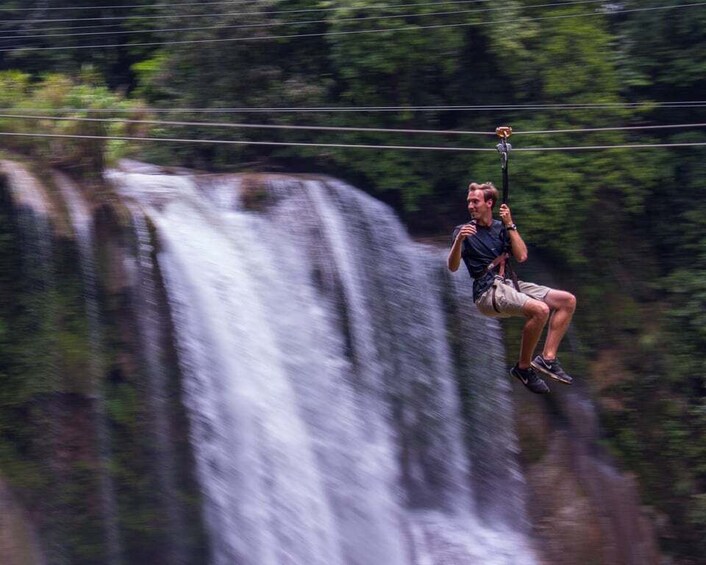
505	270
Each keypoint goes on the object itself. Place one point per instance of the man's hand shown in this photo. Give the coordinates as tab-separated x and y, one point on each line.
467	230
454	259
517	245
505	215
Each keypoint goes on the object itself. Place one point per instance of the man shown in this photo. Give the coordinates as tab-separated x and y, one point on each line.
485	245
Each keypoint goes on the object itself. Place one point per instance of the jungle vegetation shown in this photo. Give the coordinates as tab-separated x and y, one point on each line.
623	228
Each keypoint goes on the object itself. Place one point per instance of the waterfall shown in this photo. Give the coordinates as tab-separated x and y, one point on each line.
321	385
150	326
82	221
499	488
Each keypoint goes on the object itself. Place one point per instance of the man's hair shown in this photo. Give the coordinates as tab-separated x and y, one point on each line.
488	189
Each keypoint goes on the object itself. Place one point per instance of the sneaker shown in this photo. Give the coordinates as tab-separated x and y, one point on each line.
552	369
530	379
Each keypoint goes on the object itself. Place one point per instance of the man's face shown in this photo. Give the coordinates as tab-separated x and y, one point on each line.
477	206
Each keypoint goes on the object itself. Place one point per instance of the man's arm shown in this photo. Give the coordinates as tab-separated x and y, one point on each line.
454	259
517	244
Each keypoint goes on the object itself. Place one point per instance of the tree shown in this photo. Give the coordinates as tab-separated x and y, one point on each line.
61	34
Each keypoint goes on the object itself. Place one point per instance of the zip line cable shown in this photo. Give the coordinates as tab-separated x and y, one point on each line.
120	7
243	142
129	6
349	146
374	109
342	128
228	2
177	16
273	24
341	33
286	23
251	26
616	128
247	126
619	146
250	13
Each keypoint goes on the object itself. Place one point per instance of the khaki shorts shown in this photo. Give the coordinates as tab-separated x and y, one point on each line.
502	299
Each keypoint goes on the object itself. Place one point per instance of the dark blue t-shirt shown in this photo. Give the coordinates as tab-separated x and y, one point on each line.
480	250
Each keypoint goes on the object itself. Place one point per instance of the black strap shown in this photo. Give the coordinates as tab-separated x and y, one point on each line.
506	181
512	275
504	149
509	271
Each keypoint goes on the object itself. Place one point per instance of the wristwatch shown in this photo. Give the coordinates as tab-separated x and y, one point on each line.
511	227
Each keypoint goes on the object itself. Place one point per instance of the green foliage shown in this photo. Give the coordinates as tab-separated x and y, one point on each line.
62	37
665	49
14	86
96	113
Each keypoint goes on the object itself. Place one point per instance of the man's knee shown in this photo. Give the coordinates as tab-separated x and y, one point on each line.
536	309
561	300
567	302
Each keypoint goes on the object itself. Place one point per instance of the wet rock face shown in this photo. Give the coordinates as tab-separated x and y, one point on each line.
582	509
563	517
18	540
56	368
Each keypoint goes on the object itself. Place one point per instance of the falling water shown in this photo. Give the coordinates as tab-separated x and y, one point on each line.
152	337
81	220
322	390
499	488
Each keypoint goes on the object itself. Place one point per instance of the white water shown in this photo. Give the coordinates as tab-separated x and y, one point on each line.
150	326
321	389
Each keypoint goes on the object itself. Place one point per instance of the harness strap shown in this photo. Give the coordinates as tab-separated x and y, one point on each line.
499	262
505	270
513	276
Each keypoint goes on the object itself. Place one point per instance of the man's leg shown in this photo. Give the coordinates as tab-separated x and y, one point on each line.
537	314
563	305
